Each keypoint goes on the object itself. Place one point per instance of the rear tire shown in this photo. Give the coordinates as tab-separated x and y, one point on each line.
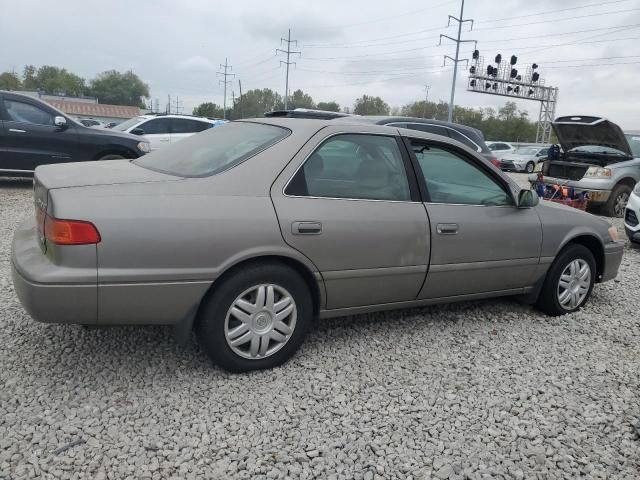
530	167
111	157
256	318
617	201
569	281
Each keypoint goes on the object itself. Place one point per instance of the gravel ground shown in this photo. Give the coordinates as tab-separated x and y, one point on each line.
488	389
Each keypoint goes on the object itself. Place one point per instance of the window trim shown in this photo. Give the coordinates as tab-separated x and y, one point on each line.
149	120
415	192
478	148
464	156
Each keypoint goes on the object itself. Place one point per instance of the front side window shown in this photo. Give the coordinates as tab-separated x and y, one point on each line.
157	126
26	113
215	151
185	125
453	179
368	167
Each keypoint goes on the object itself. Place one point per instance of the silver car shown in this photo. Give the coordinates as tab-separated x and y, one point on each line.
249	231
523	159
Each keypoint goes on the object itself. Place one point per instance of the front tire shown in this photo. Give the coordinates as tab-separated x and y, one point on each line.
617	201
569	281
256	318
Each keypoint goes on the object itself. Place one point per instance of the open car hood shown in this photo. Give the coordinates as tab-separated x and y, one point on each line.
577	131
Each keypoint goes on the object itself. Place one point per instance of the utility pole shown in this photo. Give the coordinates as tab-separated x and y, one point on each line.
240	86
426	99
157	109
168	103
288	51
456	60
178	105
225	82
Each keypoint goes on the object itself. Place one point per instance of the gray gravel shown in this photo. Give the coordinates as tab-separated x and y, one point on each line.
487	389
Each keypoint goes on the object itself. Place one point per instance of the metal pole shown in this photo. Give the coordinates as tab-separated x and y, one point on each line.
286	88
224	107
455	64
240	86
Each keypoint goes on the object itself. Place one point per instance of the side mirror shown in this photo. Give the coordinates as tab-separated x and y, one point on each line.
528	199
60	122
137	131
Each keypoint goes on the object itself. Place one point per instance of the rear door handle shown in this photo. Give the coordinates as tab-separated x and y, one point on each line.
306	228
447	228
15	130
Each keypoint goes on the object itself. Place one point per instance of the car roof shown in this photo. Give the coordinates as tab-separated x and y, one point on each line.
177	115
384	119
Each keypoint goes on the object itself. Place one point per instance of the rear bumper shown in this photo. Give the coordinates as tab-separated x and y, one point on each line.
48	301
598	192
612	258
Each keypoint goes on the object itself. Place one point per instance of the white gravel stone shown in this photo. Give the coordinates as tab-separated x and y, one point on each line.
487	389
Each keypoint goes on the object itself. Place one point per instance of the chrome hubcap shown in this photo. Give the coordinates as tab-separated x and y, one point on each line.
574	284
621	204
260	321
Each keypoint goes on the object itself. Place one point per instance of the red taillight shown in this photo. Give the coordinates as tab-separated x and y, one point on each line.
70	232
495	161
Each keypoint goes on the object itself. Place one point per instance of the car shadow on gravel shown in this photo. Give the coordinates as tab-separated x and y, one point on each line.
10	182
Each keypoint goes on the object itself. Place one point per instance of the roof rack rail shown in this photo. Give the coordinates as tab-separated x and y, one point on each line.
306	113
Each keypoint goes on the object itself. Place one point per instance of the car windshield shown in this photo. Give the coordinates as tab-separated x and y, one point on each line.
597	149
214	150
634	143
124	126
527	150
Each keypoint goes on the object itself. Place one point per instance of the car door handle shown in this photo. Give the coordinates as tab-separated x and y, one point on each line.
164	139
447	228
15	130
306	228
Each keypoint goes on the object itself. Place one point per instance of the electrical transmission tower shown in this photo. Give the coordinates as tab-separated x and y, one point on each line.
178	105
288	51
456	60
426	99
225	82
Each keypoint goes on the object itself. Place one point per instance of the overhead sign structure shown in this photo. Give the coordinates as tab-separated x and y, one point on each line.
505	79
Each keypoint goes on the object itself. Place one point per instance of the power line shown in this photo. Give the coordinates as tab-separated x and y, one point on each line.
601	4
288	51
357	42
456	60
225	82
387	18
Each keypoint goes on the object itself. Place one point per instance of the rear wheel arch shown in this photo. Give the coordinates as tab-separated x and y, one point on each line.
292	263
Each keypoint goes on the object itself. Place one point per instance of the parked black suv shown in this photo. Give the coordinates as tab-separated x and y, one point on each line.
471	137
34	133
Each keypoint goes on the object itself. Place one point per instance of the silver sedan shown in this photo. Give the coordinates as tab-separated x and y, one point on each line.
247	232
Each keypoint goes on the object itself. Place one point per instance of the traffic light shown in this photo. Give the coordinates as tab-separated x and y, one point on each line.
514	59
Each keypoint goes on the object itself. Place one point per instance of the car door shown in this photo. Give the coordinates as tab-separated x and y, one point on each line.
182	128
31	138
480	241
157	131
353	208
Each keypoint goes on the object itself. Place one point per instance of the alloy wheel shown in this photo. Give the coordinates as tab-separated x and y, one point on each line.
620	204
574	284
260	321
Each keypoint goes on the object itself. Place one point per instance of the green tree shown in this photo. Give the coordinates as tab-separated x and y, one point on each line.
208	109
52	80
255	103
119	88
9	81
328	106
299	99
29	78
367	105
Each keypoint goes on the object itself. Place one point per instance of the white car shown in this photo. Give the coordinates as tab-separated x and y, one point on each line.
164	129
500	149
632	215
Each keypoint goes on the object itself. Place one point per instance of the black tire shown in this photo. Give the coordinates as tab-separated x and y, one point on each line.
210	324
530	167
111	156
619	197
548	301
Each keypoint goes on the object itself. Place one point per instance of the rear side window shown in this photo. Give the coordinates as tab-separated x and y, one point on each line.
214	151
26	113
366	167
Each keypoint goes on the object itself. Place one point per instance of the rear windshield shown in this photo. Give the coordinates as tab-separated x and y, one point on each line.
214	150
